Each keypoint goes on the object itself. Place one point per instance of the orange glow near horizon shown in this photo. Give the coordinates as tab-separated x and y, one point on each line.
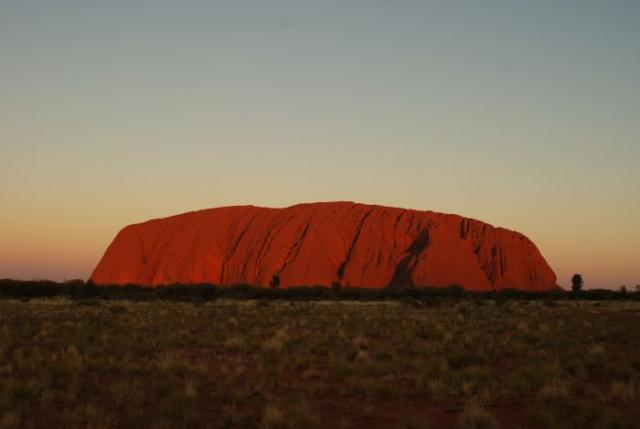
523	116
61	248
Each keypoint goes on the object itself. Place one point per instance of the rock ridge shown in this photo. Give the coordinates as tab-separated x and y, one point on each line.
356	245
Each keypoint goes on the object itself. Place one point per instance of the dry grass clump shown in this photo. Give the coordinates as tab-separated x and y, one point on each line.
623	391
273	418
292	416
474	416
555	395
234	342
278	341
412	423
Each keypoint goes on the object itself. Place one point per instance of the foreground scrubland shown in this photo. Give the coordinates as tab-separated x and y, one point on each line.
325	364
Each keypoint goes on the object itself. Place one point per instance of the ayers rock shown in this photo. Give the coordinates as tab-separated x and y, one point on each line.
356	245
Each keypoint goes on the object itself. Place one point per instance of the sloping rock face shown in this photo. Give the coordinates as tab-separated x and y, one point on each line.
321	243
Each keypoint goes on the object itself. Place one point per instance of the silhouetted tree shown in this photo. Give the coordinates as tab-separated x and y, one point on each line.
274	283
576	283
455	290
623	289
336	287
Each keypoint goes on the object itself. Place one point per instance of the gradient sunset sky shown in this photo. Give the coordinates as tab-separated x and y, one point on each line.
522	114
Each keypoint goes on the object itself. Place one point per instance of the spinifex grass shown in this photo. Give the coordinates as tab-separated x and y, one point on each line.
246	364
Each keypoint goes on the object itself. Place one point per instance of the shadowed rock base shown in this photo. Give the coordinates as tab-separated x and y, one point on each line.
323	243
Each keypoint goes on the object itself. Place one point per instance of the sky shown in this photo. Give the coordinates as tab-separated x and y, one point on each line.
523	114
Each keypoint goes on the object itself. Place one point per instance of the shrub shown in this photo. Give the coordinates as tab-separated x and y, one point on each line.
576	283
555	396
475	417
274	283
272	418
623	391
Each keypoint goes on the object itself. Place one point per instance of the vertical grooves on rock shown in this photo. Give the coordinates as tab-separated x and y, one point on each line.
144	257
236	242
464	228
271	232
397	222
175	249
403	274
295	248
229	253
492	268
222	266
352	247
186	260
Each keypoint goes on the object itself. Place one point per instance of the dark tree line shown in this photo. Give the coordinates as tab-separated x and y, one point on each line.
78	289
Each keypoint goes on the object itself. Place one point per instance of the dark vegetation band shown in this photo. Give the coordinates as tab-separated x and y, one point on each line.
79	289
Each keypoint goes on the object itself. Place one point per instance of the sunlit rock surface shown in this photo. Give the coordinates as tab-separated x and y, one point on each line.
356	245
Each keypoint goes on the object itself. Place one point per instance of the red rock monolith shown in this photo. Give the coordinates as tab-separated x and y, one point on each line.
356	245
